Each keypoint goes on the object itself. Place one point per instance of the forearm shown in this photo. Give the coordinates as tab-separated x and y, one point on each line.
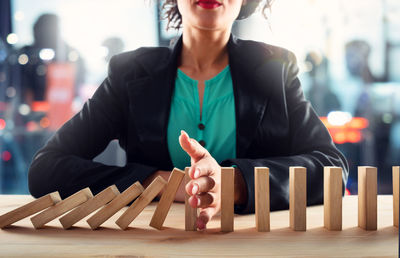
279	177
54	171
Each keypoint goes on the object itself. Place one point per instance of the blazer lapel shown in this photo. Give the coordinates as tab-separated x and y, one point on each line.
151	100
250	89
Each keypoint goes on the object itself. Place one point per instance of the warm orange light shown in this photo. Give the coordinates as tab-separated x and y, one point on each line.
40	106
349	132
354	136
324	120
2	124
44	122
339	137
358	123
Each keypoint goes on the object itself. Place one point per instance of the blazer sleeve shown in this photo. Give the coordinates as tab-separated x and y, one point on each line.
311	146
65	163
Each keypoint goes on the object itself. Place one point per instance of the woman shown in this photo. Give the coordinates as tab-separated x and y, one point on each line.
241	100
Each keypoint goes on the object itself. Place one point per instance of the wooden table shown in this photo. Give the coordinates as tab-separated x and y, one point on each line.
141	240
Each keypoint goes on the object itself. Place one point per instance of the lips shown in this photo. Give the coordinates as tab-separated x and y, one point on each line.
208	4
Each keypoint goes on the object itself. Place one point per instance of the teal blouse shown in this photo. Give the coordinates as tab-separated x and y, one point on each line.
215	129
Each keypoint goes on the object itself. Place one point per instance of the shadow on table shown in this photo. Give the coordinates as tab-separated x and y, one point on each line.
177	235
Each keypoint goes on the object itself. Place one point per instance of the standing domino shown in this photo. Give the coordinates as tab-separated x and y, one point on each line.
298	198
190	212
262	202
227	198
367	198
333	198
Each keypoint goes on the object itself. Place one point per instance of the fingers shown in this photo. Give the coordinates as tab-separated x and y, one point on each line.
203	200
200	185
204	167
192	147
205	216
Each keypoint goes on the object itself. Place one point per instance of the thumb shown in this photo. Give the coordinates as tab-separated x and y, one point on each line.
192	147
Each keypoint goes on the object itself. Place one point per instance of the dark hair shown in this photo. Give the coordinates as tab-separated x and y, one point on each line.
174	18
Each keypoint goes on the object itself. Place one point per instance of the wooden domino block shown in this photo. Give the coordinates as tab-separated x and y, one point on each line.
88	207
60	208
190	212
29	209
141	202
396	196
298	198
262	201
367	198
167	198
115	205
227	198
333	198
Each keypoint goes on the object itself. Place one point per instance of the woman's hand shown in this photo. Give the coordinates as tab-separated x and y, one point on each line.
205	187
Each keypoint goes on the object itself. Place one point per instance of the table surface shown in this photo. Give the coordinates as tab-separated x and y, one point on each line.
140	239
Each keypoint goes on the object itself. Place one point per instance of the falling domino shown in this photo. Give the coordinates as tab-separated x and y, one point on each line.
227	198
396	196
141	202
88	207
167	198
298	198
190	212
367	198
29	209
60	208
261	181
115	205
333	198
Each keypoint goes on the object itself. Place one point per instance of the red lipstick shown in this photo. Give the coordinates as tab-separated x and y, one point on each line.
208	4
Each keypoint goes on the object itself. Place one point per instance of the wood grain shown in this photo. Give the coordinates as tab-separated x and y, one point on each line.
115	205
298	198
333	198
367	197
262	201
167	198
141	202
60	208
190	212
396	191
88	207
21	240
227	198
29	209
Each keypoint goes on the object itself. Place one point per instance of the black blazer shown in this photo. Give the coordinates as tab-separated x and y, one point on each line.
276	126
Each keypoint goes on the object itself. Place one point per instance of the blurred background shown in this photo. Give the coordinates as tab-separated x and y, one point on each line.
54	54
